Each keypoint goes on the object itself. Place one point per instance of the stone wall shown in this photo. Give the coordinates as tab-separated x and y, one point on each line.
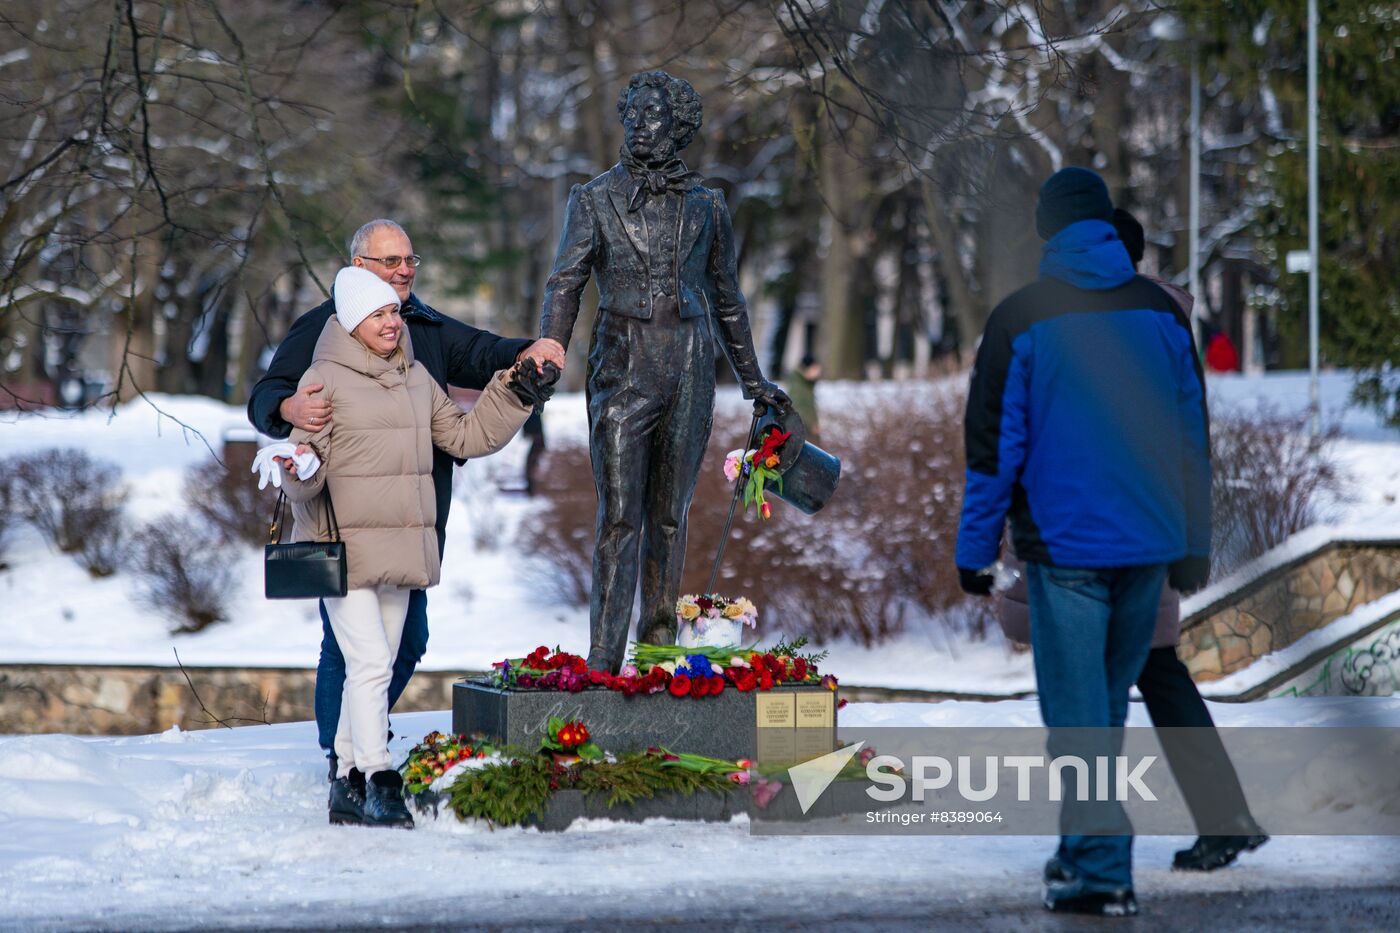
1286	604
99	700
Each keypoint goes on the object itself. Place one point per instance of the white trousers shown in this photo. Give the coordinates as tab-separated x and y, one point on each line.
367	624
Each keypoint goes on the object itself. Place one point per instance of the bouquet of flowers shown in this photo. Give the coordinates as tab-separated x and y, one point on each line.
706	671
760	467
438	754
736	771
543	669
701	611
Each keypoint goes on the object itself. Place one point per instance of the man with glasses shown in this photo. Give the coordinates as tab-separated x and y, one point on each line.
453	353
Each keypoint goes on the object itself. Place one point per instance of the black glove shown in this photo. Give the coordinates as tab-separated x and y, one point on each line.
770	396
975	582
532	386
1189	574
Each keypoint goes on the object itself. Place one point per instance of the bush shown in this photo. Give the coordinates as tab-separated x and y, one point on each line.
559	542
1271	476
180	575
67	495
103	548
879	556
229	500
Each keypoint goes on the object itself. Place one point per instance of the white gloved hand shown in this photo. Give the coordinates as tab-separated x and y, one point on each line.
267	469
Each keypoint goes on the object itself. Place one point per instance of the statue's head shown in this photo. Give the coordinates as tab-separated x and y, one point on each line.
660	114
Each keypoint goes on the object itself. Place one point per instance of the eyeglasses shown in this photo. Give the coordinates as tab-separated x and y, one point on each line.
392	262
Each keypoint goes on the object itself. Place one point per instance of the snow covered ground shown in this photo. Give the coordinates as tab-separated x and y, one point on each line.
488	606
228	828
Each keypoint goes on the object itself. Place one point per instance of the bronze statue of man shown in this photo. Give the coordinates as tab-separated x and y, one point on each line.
661	246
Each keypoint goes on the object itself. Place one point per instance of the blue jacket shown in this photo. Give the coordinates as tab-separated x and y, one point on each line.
1086	418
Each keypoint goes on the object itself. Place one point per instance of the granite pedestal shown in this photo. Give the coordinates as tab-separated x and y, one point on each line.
787	722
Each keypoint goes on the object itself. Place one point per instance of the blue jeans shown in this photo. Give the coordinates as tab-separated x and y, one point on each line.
1091	631
330	670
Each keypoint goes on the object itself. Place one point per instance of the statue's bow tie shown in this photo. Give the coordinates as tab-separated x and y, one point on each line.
672	176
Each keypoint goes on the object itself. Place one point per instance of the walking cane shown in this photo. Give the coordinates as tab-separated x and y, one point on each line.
733	502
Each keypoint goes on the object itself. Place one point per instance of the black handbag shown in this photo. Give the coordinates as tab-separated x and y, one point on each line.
304	569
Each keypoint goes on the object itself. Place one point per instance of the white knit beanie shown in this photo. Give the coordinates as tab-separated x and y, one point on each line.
358	294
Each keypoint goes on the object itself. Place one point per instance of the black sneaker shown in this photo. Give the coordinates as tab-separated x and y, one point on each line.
1055	870
1072	897
384	803
347	801
1212	852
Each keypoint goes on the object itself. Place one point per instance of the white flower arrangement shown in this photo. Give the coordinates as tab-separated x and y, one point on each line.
701	611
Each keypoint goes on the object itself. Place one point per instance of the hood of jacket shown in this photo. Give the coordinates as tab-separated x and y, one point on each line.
1087	255
337	345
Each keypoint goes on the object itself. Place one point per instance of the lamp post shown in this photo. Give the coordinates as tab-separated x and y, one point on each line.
1194	198
1314	395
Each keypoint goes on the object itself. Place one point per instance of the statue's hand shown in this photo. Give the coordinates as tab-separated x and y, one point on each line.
531	385
768	395
545	350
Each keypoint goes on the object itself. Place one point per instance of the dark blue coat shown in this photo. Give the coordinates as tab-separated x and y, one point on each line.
451	352
1086	418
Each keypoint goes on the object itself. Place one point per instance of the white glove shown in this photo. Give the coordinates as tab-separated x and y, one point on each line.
267	469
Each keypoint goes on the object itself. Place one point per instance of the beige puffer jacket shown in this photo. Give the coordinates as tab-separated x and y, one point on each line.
377	456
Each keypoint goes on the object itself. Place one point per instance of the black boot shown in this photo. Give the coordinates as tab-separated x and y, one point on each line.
1212	852
384	804
347	803
1074	898
335	766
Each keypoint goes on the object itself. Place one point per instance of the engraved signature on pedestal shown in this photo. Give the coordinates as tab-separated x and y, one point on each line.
670	719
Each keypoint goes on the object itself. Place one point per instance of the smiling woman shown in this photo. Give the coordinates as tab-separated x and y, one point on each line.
380	331
377	461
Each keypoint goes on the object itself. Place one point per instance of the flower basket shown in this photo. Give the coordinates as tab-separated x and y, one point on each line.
713	620
714	632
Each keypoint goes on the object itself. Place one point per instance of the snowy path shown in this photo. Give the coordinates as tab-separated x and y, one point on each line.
226	828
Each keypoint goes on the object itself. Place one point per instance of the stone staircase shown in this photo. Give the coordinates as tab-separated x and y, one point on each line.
1317	616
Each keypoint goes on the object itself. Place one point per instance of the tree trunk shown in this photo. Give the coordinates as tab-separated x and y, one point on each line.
843	326
969	312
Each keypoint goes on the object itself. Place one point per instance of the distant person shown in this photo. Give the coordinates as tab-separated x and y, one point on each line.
452	353
1221	355
1086	425
376	466
802	389
1130	231
534	430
